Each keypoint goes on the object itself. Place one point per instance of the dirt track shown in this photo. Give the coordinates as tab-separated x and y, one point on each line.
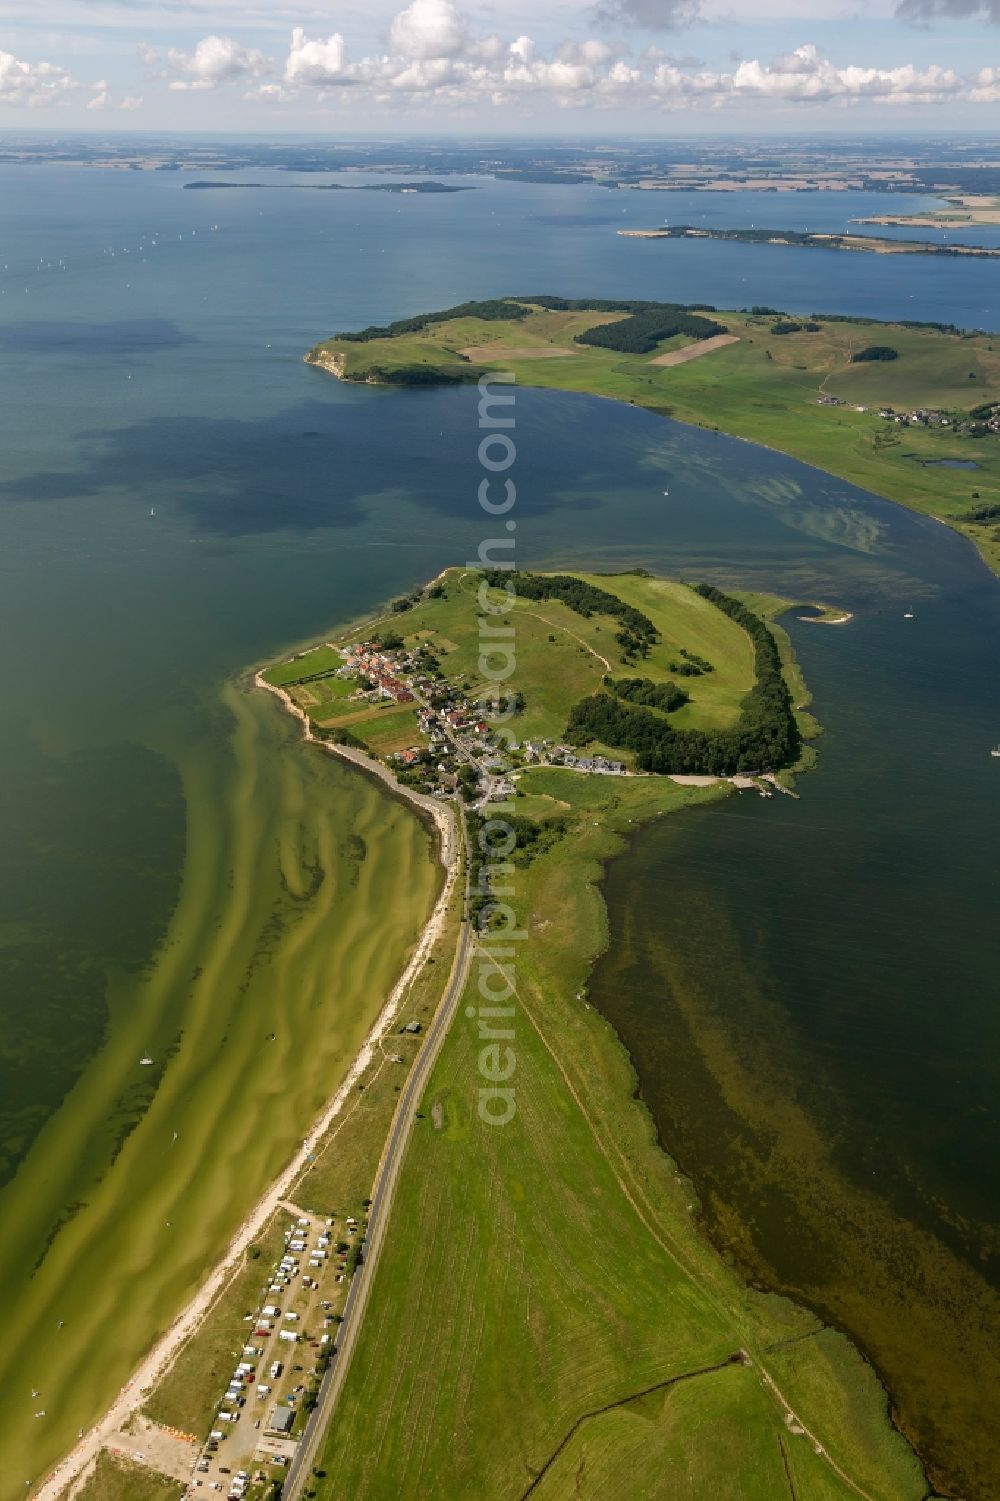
695	351
489	354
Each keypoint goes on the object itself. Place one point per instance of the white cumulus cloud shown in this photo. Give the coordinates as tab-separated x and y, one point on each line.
434	53
428	28
32	85
215	60
315	63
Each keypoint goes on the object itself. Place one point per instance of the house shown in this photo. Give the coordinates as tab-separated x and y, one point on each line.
281	1420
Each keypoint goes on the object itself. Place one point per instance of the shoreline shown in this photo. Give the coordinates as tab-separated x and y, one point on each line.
437	809
72	1471
625	840
843	619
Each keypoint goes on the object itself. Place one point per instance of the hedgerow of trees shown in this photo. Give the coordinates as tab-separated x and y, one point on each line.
636	633
615	305
495	310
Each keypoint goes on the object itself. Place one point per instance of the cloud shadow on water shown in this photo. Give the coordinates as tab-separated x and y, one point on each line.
127	336
315	465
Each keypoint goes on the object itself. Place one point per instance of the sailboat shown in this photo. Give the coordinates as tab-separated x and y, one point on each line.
908	614
996	752
152	510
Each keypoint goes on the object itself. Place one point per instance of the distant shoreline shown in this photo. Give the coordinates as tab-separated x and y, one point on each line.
421	185
868	244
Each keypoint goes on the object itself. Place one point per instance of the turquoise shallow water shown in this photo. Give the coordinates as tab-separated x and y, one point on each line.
170	378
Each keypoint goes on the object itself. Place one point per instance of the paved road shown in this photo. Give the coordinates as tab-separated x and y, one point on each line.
378	1216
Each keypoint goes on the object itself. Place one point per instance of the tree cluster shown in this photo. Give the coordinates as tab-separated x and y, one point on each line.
640	333
416	375
663	696
530	840
875	352
693	666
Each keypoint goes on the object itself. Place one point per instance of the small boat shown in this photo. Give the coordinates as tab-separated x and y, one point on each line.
908	614
145	1062
996	752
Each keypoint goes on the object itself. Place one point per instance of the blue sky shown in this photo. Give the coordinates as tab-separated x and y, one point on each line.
499	66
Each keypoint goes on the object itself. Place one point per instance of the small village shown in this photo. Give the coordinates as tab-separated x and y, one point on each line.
461	752
972	424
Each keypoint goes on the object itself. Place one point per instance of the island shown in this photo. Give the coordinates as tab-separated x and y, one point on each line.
907	410
419	185
874	244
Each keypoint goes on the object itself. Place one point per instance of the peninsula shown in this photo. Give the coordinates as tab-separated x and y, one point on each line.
418	185
614	673
909	411
967	211
874	244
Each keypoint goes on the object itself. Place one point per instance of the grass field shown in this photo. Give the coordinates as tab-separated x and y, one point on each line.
188	1396
767	389
547	1319
118	1480
276	970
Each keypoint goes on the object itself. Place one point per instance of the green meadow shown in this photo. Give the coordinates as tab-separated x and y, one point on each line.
119	1480
304	888
765	388
547	1318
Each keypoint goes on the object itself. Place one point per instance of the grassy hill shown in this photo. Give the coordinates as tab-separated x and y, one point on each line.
580	681
561	657
765	387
